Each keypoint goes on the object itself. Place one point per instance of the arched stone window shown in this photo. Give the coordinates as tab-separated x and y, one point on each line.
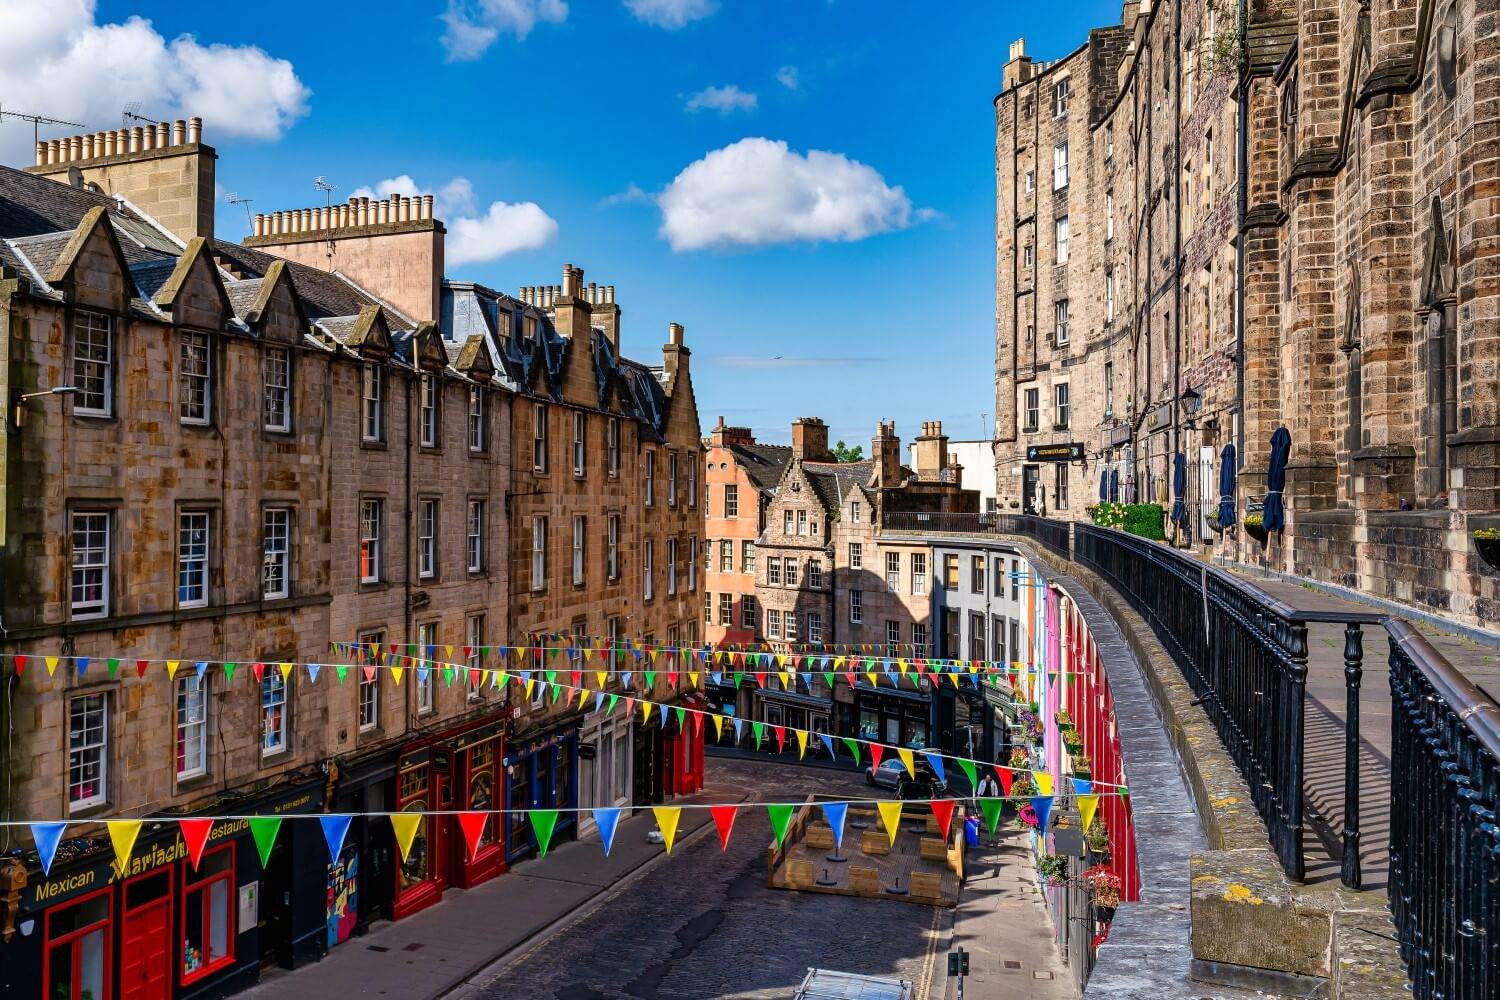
1437	307
1447	48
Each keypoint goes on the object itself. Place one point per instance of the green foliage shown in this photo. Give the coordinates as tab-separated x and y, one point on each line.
844	453
1146	519
1107	514
1053	868
1487	534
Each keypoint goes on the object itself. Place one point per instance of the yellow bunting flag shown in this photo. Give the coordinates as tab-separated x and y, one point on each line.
530	687
908	760
890	815
1043	782
645	711
582	696
286	672
51	665
1087	806
122	834
873	681
397	673
406	826
786	680
449	651
172	666
693	678
603	679
718	726
801	742
666	821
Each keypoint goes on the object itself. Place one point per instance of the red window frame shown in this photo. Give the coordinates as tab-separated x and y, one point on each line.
69	939
191	884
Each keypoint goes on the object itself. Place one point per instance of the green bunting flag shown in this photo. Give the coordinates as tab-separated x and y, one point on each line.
853	748
542	822
759	728
228	672
991	809
828	679
342	672
780	817
969	772
113	664
263	829
614	700
681	719
650	680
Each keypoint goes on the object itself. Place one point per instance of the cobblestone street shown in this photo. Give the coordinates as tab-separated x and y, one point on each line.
704	924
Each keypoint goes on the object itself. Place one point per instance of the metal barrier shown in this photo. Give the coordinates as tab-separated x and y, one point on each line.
943	521
1445	836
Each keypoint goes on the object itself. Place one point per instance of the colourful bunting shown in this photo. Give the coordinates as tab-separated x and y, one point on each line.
666	821
607	820
47	837
1087	806
801	743
195	833
724	820
543	821
991	809
943	813
335	829
263	829
405	826
890	816
781	816
967	766
122	834
834	813
1042	806
472	824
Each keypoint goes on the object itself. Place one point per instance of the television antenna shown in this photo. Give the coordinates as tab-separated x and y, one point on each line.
37	121
132	113
234	199
322	184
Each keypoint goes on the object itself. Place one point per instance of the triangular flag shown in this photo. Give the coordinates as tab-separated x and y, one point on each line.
890	815
853	749
397	673
1043	782
991	809
835	813
607	820
542	823
943	813
666	821
967	766
759	729
263	829
781	815
801	742
1087	806
780	732
724	820
286	672
342	670
405	825
908	761
140	666
335	829
877	751
828	742
739	730
1006	777
645	712
1042	806
47	837
472	824
228	673
936	760
51	665
1082	786
122	834
718	726
81	664
172	666
195	835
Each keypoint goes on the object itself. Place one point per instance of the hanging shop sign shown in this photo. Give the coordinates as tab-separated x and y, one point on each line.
1069	452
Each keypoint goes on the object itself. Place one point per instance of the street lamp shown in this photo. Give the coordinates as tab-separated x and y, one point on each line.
23	398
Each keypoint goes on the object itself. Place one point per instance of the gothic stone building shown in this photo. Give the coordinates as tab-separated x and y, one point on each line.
1204	235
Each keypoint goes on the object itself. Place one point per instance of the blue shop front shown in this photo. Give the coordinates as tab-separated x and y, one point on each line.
541	772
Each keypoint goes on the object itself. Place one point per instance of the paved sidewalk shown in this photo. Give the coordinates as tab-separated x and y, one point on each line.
428	954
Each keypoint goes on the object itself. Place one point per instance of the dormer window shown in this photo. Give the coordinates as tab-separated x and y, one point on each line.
428	407
93	365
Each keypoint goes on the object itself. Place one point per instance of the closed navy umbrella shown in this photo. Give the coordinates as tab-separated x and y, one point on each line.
1274	518
1114	485
1103	483
1179	487
1226	486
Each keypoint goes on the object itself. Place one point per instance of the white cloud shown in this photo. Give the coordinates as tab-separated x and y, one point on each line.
757	191
471	26
787	76
671	14
632	195
57	60
504	228
724	100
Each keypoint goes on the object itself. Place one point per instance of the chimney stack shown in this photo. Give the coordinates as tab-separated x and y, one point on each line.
722	436
1018	69
930	451
810	440
885	456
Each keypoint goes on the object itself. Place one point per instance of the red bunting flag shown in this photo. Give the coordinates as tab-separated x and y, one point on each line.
1005	779
259	670
472	824
20	662
724	820
140	668
943	813
698	725
474	677
876	752
780	732
195	835
760	679
369	673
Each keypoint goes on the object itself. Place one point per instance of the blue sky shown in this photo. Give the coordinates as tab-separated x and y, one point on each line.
882	310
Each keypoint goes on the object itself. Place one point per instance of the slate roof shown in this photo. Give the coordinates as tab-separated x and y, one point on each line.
1267	43
763	463
834	480
323	293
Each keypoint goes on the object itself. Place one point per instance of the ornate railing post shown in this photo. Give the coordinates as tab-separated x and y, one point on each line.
1354	654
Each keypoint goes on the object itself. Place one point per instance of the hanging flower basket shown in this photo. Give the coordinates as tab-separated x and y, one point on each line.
1053	868
1255	527
1487	543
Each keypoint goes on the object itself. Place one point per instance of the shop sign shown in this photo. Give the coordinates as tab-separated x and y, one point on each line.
1119	435
1069	452
587	751
1159	417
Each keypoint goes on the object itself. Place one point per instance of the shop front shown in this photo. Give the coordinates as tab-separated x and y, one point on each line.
894	717
684	746
162	927
454	770
794	710
541	772
605	760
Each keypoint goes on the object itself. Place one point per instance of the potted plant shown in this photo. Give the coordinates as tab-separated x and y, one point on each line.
1082	766
1255	527
1106	886
1053	868
1064	720
1487	542
1097	837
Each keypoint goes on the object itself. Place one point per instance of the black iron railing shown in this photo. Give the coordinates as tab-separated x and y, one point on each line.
1445	841
1050	532
914	520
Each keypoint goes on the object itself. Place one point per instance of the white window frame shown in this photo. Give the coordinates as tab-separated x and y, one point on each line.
1032	407
276	389
427	538
801	522
191	725
1061	92
788	522
88	749
579	553
539	552
893	572
1062	404
479	428
773	623
671	479
427	409
369	702
672	548
474	536
1109	216
692	565
539	437
276	552
1059	166
749	612
426	687
580	431
194	539
650	477
614	447
612	553
814	626
854	512
474	639
856	607
371	540
815	574
773	571
1060	321
692	483
790	570
194	378
789	626
93	360
856	555
919	638
918	573
90	562
731	501
273	695
648	569
372	402
1060	235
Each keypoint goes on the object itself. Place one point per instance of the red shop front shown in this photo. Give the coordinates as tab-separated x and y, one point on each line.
684	749
451	771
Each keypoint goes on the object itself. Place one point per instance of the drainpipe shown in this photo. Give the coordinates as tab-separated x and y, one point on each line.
406	615
1242	200
1177	251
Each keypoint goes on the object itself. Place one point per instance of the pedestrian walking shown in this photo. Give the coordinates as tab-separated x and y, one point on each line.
989	788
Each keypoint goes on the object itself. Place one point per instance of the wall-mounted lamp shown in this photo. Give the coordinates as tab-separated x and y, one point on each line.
19	409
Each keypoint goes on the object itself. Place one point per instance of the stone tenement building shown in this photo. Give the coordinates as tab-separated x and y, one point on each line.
258	458
841	566
740	478
1204	234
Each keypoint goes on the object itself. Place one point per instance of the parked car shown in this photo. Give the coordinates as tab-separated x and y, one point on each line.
892	774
